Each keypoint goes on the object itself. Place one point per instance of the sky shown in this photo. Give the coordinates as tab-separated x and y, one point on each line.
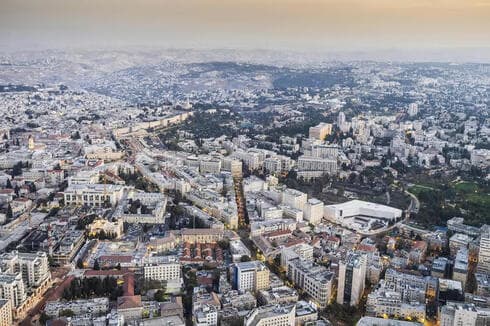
302	25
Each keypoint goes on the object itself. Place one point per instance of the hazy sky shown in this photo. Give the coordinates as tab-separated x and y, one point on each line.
258	24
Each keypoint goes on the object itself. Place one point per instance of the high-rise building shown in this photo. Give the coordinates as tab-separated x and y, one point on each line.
5	312
352	276
320	131
460	269
314	279
413	109
341	119
313	211
12	288
294	198
484	254
250	276
34	267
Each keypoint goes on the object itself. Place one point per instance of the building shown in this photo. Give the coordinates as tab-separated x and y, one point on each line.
130	307
460	268
316	166
164	268
6	317
34	267
314	279
338	212
341	119
301	250
386	300
371	321
352	276
313	211
94	307
238	250
205	315
440	267
142	207
413	109
250	276
201	235
465	314
456	224
107	227
320	131
305	312
484	254
12	288
480	157
482	284
403	295
271	315
294	198
277	295
96	195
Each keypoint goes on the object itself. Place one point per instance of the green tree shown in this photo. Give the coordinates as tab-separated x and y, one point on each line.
245	258
67	313
9	213
160	296
96	265
43	318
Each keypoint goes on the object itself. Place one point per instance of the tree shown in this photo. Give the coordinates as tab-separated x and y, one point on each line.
75	135
96	265
66	313
160	296
43	318
9	184
245	258
17	169
9	213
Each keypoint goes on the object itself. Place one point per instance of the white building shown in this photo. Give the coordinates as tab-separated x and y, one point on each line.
294	198
163	268
338	212
484	254
238	250
12	288
271	315
250	276
314	279
464	314
33	266
352	276
317	164
93	194
413	109
94	307
313	211
205	315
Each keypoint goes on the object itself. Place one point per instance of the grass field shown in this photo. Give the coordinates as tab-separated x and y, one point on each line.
472	193
467	199
418	188
466	187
